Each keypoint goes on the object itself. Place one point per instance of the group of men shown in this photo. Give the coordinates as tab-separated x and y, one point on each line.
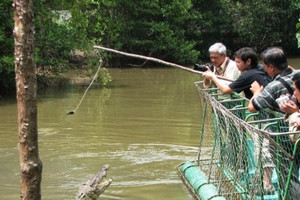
261	84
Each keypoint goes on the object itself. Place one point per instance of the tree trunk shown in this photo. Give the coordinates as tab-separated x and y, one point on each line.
30	163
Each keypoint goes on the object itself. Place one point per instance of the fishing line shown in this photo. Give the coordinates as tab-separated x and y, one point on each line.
71	112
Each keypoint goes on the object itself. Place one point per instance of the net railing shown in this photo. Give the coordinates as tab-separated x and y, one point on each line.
239	149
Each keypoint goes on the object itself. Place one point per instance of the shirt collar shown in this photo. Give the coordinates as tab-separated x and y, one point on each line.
285	72
221	68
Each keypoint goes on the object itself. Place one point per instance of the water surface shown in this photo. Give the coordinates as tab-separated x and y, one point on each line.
143	125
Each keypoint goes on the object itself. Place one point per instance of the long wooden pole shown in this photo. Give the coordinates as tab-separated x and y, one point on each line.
155	60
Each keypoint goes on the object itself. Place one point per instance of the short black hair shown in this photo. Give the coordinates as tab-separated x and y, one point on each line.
275	56
296	80
246	53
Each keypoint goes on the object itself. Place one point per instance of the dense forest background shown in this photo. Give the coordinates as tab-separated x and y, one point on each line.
179	31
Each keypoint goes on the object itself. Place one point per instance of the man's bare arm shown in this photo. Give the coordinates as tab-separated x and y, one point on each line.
224	88
256	89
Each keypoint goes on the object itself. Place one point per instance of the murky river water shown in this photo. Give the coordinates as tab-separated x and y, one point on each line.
143	125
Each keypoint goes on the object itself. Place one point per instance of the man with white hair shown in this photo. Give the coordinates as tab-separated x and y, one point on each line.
223	65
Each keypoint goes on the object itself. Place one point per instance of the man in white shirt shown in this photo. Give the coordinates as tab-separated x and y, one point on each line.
223	65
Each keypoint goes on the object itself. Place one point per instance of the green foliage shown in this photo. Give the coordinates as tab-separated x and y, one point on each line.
240	23
211	25
54	41
103	77
7	80
297	5
145	27
260	23
6	37
298	32
179	31
159	28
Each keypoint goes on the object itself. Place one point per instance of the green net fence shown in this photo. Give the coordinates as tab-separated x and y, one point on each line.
242	155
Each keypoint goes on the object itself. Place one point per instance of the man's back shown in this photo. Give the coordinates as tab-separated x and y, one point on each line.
243	83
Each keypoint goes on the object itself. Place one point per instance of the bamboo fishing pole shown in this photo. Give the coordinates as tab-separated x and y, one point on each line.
71	112
155	60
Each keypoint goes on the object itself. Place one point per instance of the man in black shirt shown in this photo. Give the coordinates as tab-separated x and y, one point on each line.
247	62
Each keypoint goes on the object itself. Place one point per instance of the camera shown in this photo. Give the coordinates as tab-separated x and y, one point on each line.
204	67
283	98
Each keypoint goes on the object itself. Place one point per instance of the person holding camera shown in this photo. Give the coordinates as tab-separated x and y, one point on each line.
247	62
290	105
220	65
276	65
